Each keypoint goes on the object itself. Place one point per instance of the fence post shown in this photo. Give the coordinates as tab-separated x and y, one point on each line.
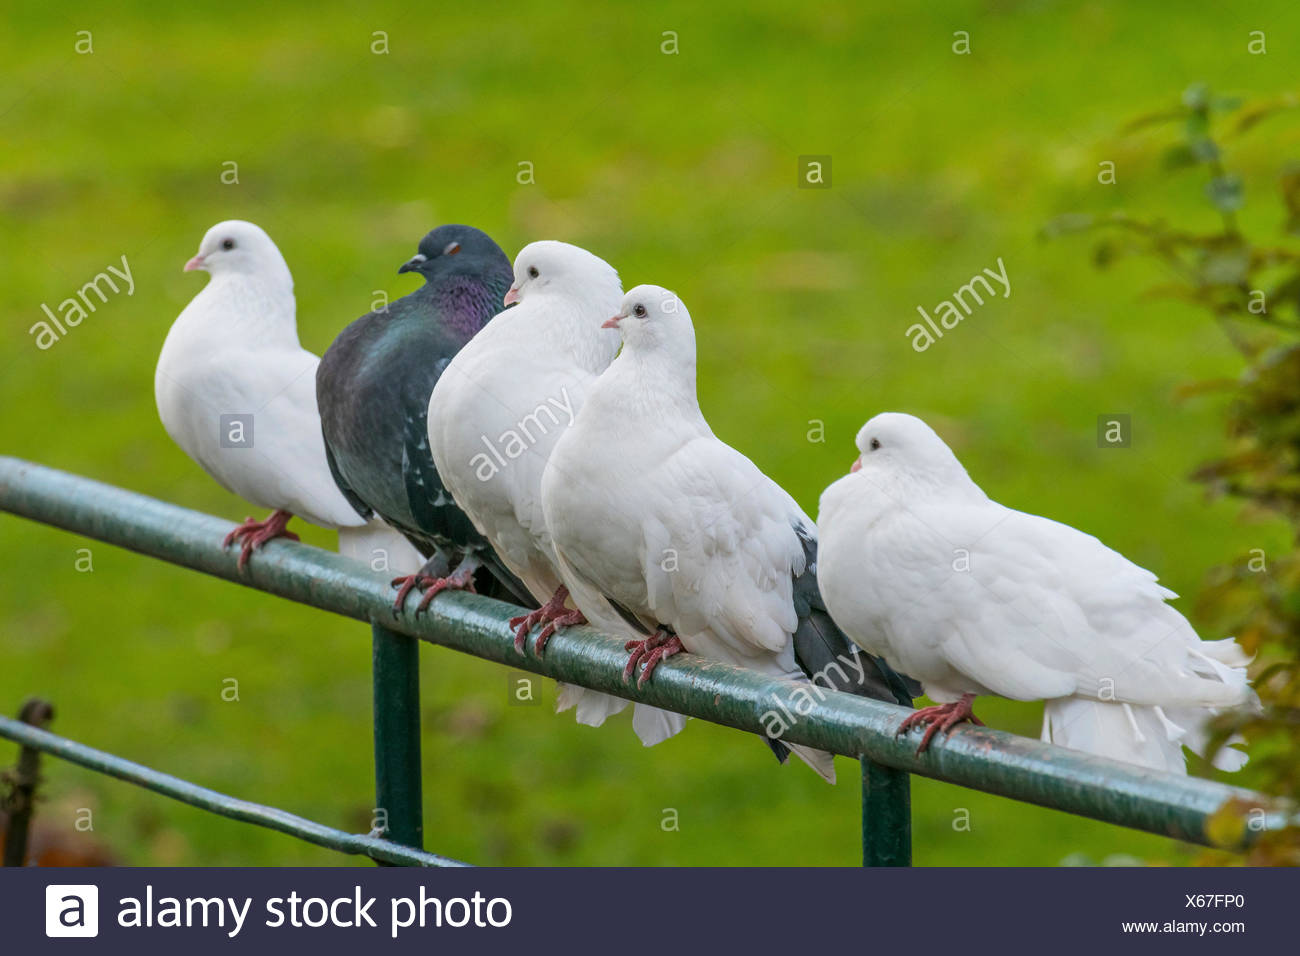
886	815
398	790
22	795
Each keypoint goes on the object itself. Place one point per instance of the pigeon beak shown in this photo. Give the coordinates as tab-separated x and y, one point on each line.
413	264
611	323
857	465
195	263
511	297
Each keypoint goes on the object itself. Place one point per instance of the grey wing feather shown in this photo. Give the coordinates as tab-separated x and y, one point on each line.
360	506
825	653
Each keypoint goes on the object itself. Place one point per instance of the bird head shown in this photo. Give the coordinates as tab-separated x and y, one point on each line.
549	267
457	250
236	246
653	318
905	447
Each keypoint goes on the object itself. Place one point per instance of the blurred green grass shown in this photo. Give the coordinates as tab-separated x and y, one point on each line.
681	170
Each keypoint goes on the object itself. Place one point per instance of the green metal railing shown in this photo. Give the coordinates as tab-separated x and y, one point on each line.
980	758
33	739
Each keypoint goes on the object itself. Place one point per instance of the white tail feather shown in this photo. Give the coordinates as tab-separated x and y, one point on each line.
1154	736
592	708
1226	651
821	762
654	725
1151	736
1108	729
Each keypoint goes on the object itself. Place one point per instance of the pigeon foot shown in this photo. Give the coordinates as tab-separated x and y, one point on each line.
940	717
405	584
253	534
461	580
659	646
547	612
568	619
432	586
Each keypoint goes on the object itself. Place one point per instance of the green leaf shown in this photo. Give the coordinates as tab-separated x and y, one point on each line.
1226	826
1225	265
1066	224
1153	119
1204	387
1290	186
1196	96
1177	157
1226	192
1288	293
1260	111
1203	149
1104	253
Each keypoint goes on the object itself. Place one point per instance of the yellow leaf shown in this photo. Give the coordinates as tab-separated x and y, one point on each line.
1226	826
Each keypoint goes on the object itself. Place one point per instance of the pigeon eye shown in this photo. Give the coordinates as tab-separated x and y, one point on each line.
227	243
532	271
875	444
639	311
452	249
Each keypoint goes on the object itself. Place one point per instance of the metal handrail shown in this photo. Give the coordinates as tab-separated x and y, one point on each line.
980	758
273	818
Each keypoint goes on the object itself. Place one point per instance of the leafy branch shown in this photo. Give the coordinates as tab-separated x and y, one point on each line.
1251	288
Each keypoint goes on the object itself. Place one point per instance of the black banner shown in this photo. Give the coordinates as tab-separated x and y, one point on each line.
625	911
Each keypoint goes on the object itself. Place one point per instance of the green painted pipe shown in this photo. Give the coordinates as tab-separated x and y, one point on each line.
886	815
976	757
384	851
398	787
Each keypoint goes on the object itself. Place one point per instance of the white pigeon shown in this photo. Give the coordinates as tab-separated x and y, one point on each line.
496	413
237	392
970	597
656	521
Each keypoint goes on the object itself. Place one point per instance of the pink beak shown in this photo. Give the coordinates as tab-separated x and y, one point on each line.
857	465
511	297
195	263
611	323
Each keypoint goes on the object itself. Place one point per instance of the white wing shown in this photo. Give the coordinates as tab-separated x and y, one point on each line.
679	529
731	531
276	457
494	417
1028	608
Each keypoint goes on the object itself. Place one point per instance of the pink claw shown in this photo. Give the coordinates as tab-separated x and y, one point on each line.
940	717
659	646
254	534
553	614
460	581
567	619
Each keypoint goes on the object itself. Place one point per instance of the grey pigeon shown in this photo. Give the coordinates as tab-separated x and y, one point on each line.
373	389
